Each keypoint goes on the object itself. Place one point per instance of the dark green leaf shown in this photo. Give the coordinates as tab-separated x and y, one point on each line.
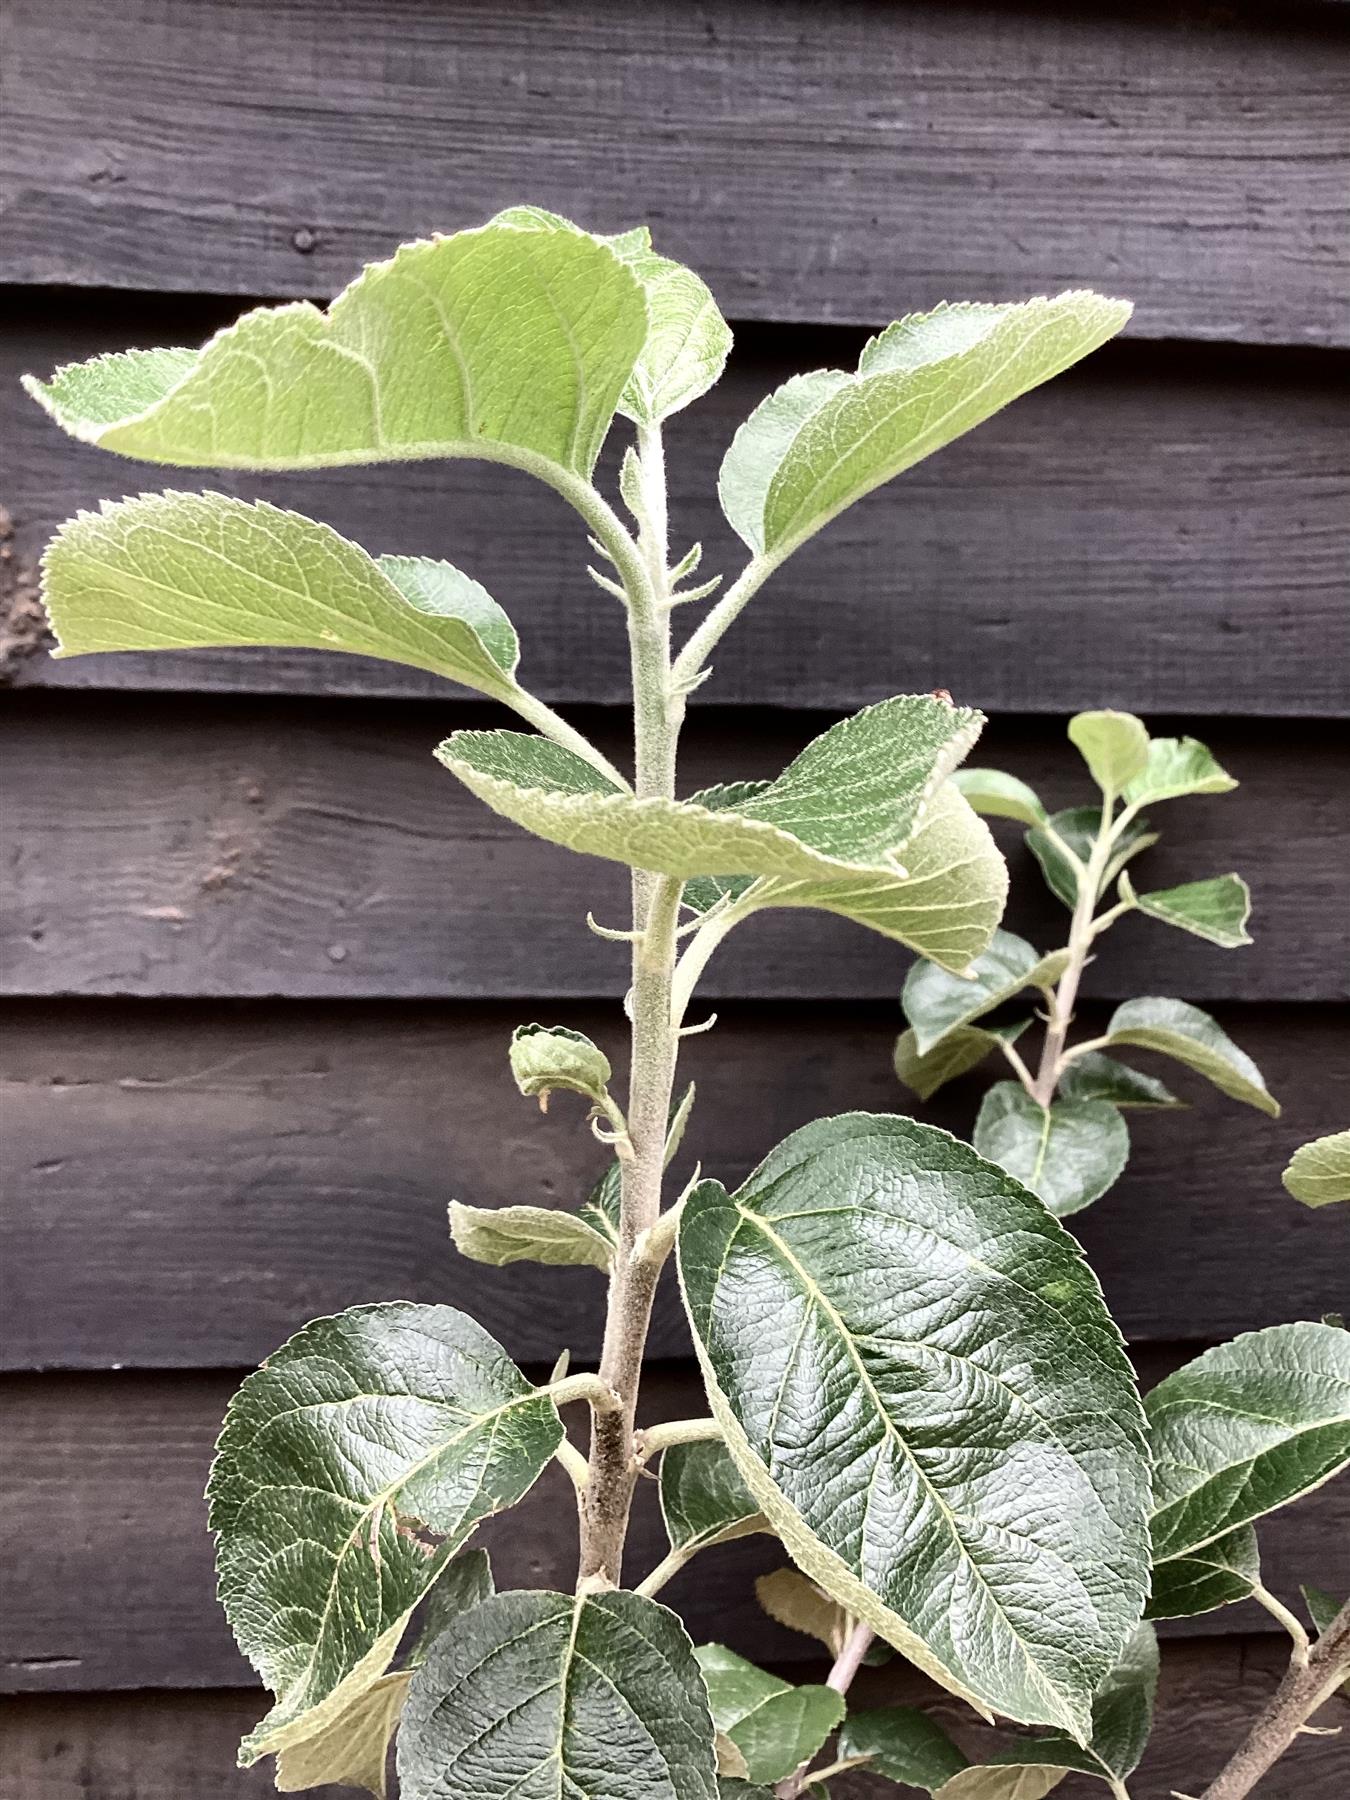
1216	1575
903	1744
1098	1077
1078	827
959	1051
1177	1029
1216	910
917	1376
1069	1152
935	1001
774	1725
703	1499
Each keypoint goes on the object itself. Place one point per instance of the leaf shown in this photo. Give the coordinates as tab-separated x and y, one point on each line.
903	1744
703	1499
357	1426
1216	1575
1177	766
936	1001
1000	796
1319	1172
354	1750
1322	1610
729	1789
1175	1028
729	1759
824	440
601	1210
1114	745
903	1347
848	803
1070	1153
1122	1717
1244	1429
687	338
544	1057
1078	827
957	1052
192	571
1093	1076
499	1235
1216	910
555	1696
799	1605
501	342
774	1725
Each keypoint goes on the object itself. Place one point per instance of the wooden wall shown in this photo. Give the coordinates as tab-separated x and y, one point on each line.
260	956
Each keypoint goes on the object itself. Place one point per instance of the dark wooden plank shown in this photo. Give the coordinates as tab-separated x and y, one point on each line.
1162	528
161	1746
839	162
227	847
109	1559
184	1190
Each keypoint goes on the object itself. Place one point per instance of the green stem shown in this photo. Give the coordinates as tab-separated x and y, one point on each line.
544	719
689	663
613	1465
666	1570
670	1432
1080	944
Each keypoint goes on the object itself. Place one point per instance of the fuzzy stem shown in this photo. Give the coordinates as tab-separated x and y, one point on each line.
607	1497
1305	1686
676	1431
1080	943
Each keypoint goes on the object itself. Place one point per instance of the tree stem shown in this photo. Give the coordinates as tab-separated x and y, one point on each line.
657	713
1305	1686
1080	943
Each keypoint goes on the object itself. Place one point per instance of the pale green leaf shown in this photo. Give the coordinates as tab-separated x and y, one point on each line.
774	1725
1177	766
729	1759
824	440
958	1052
1114	745
1245	1428
903	1744
1094	1076
799	1605
1319	1172
544	1057
502	342
874	1276
1216	909
195	571
935	1001
499	1235
353	1750
356	1426
947	905
1122	1717
847	804
556	1696
1000	796
703	1499
1217	1574
1070	1152
1077	827
1175	1028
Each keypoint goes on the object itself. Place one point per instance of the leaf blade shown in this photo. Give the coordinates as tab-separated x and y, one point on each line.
1175	1028
703	1499
1216	909
501	1235
1319	1172
1069	1153
936	1002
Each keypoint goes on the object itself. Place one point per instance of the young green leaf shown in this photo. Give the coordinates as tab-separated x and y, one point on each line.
505	343
824	440
903	1744
1216	910
1175	1028
1094	1076
936	1002
1246	1428
1114	745
1319	1172
848	804
1122	1717
194	571
1077	826
357	1425
703	1499
557	1696
774	1725
1000	796
499	1235
1218	1574
874	1274
544	1057
1070	1152
957	1052
1176	767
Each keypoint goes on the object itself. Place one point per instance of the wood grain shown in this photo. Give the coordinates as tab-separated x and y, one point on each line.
236	848
186	1187
161	1746
840	162
108	1572
1132	534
